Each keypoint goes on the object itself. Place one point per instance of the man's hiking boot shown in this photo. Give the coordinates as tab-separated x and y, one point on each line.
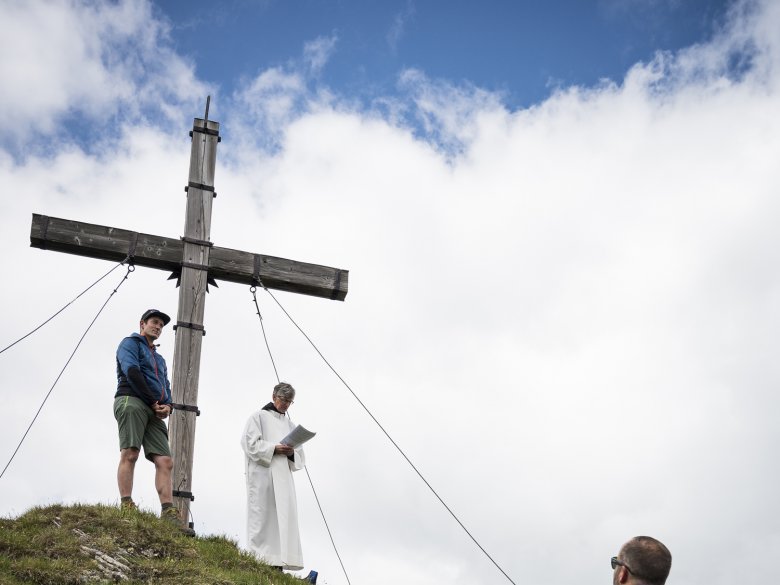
171	515
128	506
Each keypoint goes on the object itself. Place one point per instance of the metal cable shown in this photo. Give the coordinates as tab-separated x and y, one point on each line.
311	483
64	307
253	290
389	437
130	269
333	542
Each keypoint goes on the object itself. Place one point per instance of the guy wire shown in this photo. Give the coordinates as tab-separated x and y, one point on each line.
64	306
398	448
253	290
343	568
130	269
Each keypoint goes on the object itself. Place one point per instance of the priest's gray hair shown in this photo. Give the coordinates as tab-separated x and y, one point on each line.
284	390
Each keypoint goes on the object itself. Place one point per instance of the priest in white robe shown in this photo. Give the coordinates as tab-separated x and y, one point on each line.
272	509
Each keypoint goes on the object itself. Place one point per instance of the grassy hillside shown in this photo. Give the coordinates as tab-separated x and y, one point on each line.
60	545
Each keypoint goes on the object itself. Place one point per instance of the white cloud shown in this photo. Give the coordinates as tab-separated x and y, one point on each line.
265	105
94	59
570	326
447	113
262	107
318	52
398	27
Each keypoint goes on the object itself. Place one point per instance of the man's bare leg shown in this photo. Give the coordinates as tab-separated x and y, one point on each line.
124	474
163	469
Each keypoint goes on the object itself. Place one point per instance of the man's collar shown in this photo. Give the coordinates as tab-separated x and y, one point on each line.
270	406
152	345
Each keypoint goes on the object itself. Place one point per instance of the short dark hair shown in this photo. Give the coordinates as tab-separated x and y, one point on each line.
284	390
648	559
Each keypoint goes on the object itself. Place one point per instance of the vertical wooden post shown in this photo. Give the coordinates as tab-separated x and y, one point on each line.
192	300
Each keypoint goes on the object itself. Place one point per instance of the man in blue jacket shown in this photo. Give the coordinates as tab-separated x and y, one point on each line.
141	403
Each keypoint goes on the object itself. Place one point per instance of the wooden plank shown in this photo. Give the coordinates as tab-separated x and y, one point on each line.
192	303
109	243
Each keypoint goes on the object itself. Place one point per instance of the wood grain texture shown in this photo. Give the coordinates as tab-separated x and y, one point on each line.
109	243
192	304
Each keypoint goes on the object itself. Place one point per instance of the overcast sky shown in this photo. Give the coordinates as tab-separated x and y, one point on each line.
561	231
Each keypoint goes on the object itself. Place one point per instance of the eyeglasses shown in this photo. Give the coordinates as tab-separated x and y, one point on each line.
616	562
285	400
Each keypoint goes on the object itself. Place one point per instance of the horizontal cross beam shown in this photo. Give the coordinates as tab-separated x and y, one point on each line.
109	243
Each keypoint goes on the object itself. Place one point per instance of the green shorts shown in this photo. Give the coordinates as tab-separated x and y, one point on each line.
140	427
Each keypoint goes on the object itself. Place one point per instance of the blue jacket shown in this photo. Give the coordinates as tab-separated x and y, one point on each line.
141	371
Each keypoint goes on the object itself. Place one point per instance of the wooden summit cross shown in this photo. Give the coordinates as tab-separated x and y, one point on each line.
196	261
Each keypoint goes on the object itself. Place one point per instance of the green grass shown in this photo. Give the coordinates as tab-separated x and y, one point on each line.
70	545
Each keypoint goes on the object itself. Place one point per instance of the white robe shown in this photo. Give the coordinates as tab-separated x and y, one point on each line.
272	509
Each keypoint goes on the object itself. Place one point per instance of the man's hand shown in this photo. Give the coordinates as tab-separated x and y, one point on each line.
282	449
162	410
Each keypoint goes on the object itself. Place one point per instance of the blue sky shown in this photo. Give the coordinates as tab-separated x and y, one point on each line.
560	225
520	52
523	49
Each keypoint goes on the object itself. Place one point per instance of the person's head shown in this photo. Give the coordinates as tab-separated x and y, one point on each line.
643	560
152	323
283	396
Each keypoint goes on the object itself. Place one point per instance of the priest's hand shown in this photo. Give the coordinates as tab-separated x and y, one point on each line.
282	449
